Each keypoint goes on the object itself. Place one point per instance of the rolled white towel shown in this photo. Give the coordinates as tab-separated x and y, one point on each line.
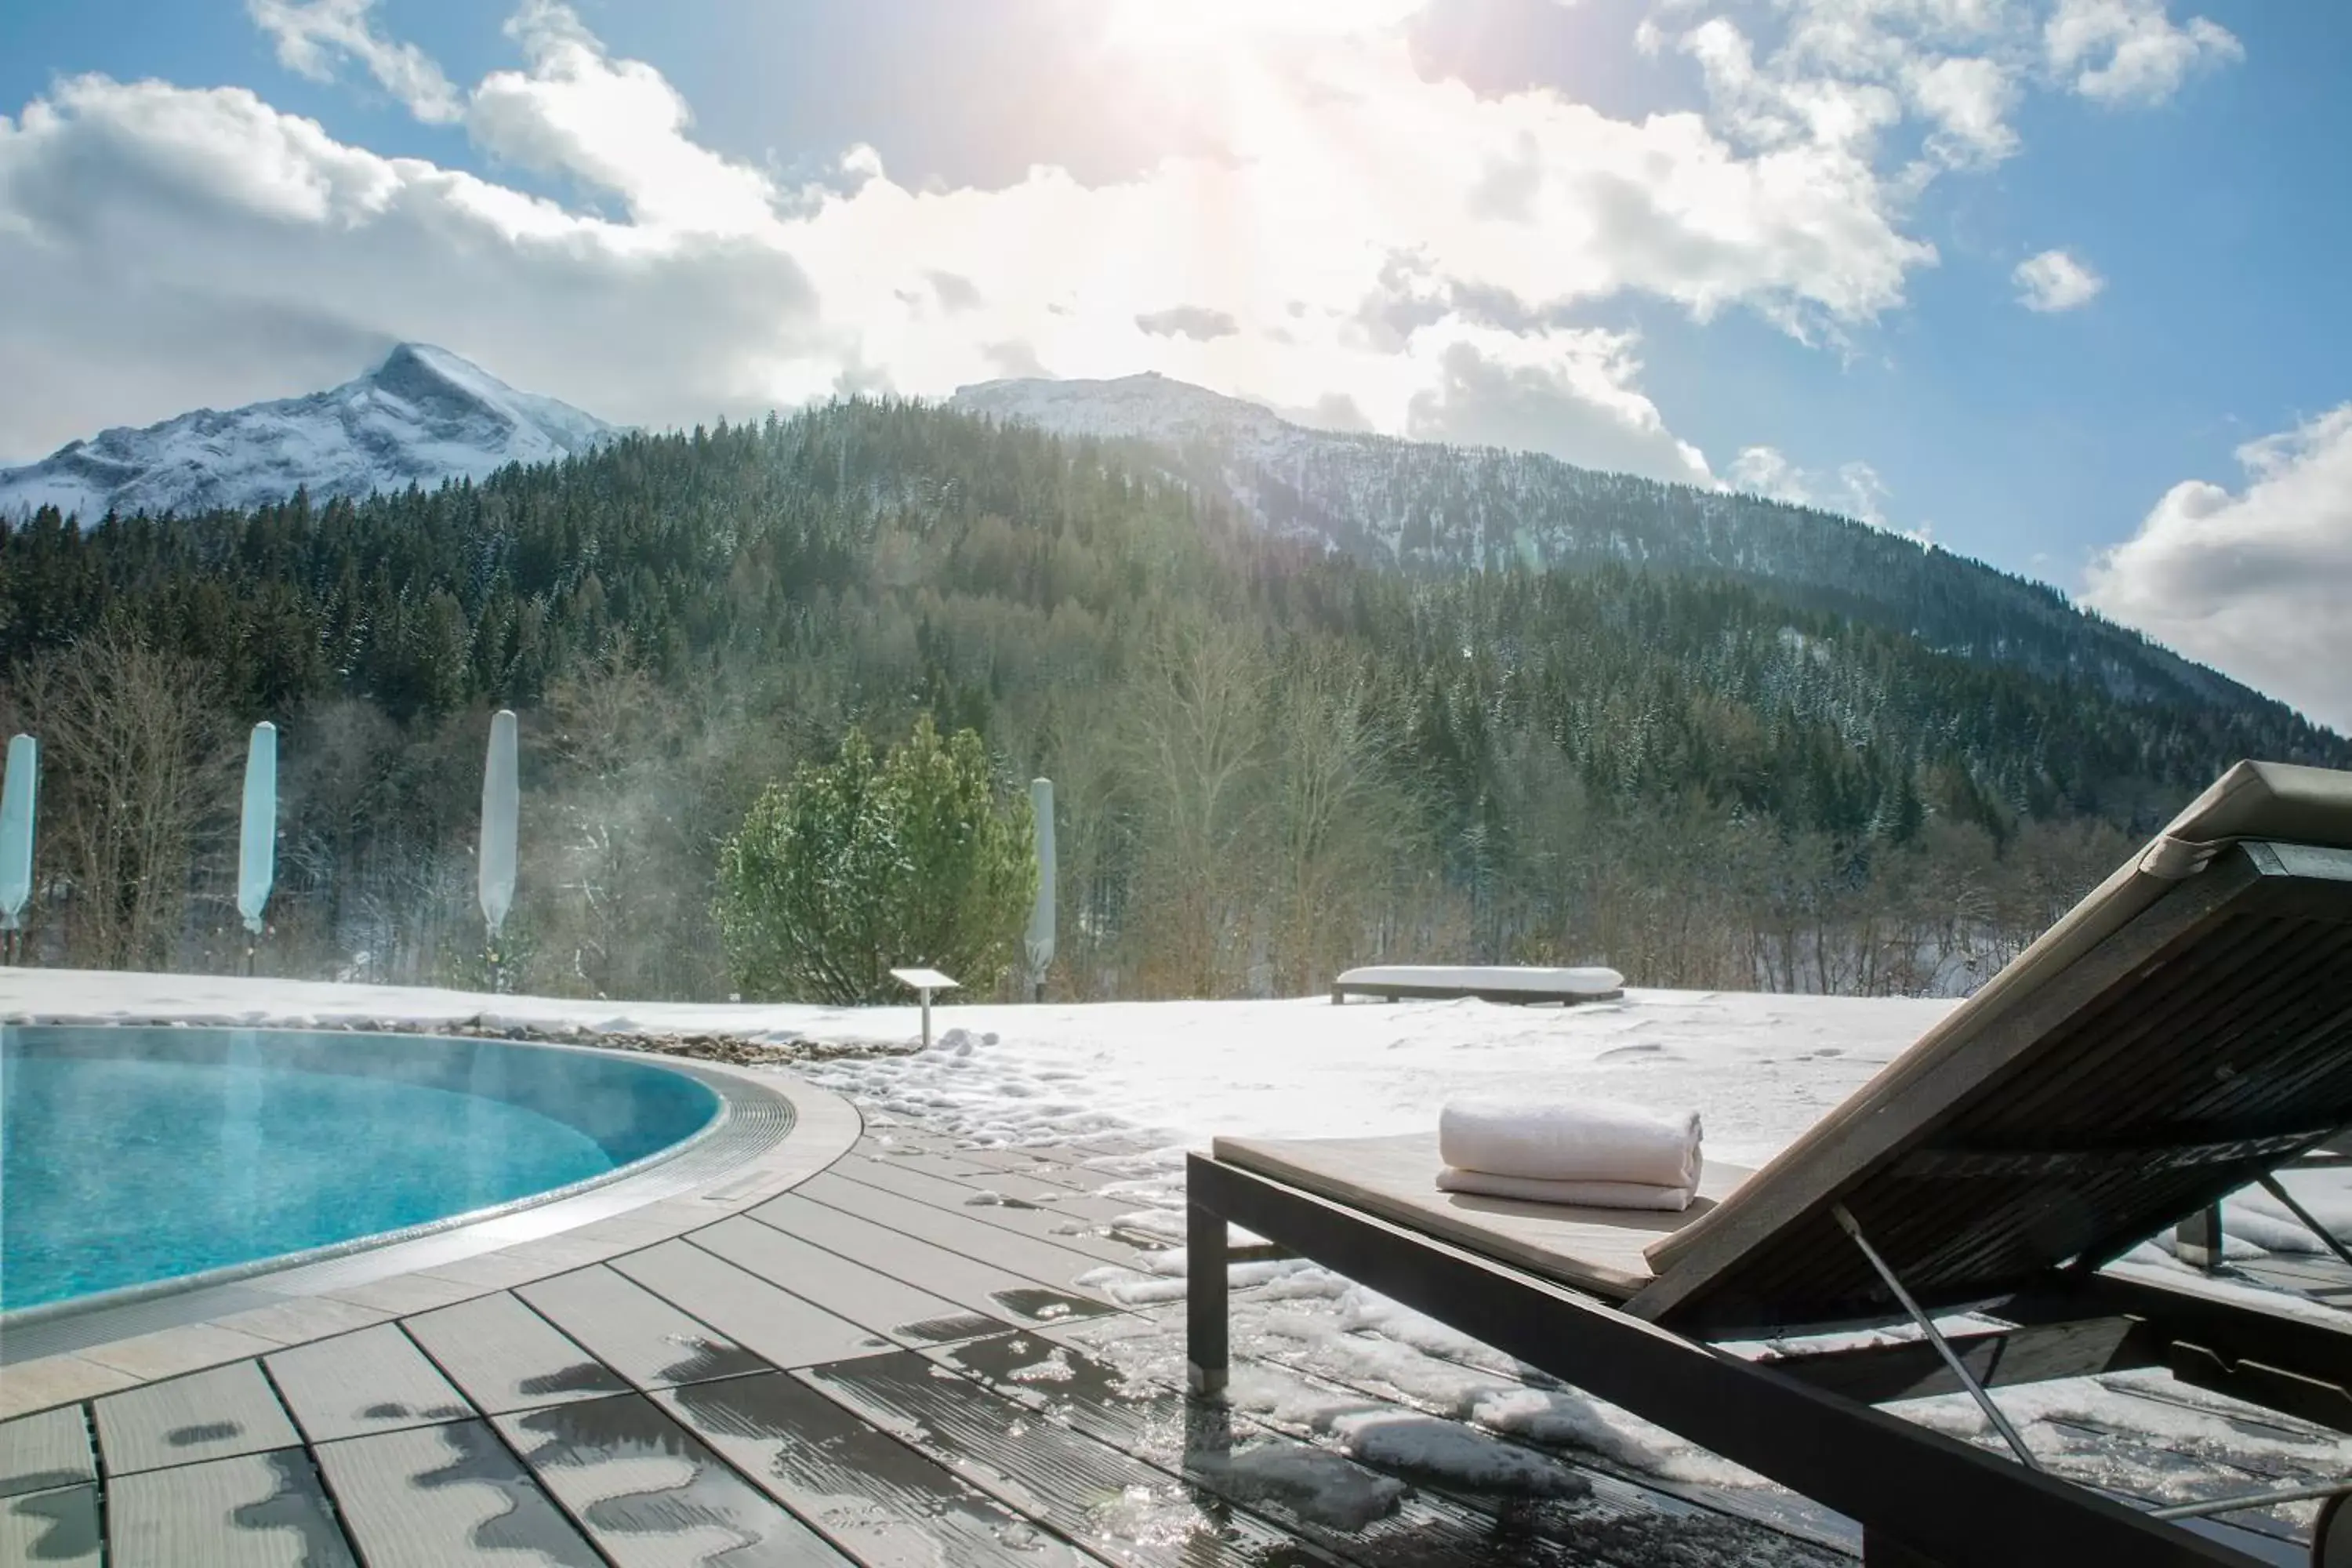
1579	1140
1585	1194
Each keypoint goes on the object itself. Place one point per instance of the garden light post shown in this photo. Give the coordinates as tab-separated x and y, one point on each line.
925	981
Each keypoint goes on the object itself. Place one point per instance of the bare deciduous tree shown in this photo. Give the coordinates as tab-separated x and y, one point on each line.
139	772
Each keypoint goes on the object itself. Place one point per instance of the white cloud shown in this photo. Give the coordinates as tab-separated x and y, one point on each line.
311	34
1860	73
2255	582
1328	224
1197	323
2131	51
2054	280
1853	489
168	247
1564	392
682	283
616	126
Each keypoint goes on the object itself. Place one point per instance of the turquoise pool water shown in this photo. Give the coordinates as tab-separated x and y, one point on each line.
133	1156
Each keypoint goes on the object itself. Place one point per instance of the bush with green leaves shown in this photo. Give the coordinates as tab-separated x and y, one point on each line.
864	865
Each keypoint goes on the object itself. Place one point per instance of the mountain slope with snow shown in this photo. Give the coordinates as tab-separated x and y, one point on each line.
421	416
1443	508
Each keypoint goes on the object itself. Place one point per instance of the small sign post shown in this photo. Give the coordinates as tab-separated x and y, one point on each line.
924	981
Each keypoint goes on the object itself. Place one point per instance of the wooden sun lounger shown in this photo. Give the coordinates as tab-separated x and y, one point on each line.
1401	982
2185	1029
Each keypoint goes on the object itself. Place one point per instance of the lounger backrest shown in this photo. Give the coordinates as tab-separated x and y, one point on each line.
2186	1027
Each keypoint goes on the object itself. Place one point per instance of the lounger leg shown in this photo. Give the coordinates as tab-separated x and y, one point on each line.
2198	1239
1205	1352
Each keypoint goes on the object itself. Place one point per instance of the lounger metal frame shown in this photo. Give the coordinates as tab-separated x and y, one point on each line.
1808	1422
1985	1171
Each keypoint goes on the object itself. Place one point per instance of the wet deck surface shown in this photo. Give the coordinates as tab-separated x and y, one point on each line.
889	1365
894	1364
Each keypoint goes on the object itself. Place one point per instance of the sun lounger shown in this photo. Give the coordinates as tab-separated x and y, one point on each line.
2185	1029
1494	983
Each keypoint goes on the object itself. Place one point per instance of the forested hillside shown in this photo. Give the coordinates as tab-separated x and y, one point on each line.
1445	510
1271	760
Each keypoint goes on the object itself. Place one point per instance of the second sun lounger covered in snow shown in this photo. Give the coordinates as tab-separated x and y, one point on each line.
2183	1030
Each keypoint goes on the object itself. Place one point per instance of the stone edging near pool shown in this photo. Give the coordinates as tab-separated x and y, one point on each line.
780	1132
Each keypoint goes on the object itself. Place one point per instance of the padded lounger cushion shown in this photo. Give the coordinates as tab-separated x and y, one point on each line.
1594	1250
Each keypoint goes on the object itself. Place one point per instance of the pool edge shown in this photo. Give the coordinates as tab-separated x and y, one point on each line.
20	1319
702	1179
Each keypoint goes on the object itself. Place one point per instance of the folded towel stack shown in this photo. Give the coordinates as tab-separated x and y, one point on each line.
1590	1152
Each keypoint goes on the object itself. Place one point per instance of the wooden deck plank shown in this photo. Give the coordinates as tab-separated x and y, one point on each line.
58	1529
1109	1504
1059	1228
967	1281
430	1497
505	1356
943	1192
889	1307
1061	1166
41	1453
937	1158
1547	1507
256	1511
371	1381
636	1332
1068	1163
650	1496
1045	1262
1320	1495
1070	1204
877	1500
773	1324
213	1415
1648	1511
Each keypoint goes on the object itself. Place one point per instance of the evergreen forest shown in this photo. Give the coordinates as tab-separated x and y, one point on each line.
1271	760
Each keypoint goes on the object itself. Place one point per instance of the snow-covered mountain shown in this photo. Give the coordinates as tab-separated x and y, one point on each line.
1425	506
1150	407
423	416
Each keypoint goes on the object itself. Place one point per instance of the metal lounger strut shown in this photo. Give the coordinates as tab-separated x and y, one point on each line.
1935	1336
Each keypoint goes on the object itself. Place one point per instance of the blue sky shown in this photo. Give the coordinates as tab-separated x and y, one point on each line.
1774	246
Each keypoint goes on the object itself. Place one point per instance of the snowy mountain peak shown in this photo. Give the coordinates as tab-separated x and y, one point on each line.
1150	407
421	416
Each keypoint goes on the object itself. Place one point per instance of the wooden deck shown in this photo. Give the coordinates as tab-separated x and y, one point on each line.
888	1364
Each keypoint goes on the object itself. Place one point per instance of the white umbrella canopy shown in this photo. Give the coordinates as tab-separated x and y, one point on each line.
16	828
256	857
1038	945
501	804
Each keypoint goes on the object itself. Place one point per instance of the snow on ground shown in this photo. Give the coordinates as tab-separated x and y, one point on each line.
1759	1069
1164	1076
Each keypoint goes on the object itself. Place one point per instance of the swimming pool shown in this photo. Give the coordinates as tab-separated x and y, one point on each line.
134	1156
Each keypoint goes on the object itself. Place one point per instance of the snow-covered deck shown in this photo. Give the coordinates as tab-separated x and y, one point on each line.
1035	1149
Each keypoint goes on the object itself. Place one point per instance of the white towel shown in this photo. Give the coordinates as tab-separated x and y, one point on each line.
1579	1140
1584	1195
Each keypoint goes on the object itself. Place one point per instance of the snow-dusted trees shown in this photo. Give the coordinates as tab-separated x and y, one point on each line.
865	864
1271	762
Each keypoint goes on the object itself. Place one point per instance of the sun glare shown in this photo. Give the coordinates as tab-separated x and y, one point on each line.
1195	27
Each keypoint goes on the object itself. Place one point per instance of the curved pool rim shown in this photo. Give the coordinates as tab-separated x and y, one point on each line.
100	1301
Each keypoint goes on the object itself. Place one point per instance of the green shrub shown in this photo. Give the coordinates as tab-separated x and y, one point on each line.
861	865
